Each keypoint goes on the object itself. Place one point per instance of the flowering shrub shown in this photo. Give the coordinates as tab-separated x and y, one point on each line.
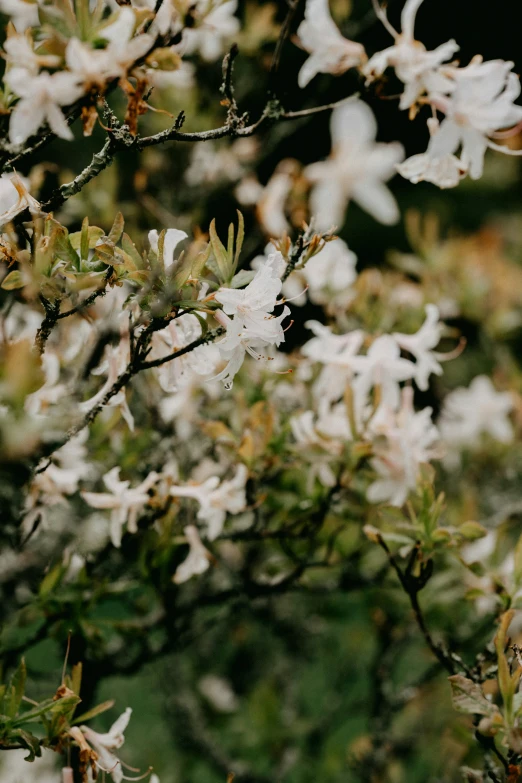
245	434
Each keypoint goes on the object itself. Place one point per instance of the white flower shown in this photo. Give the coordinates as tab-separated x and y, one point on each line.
382	367
467	414
271	202
180	372
417	68
40	100
105	744
15	197
216	499
51	392
197	560
356	170
126	503
421	345
336	352
445	171
115	363
409	440
252	324
218	27
329	51
20	53
23	13
481	103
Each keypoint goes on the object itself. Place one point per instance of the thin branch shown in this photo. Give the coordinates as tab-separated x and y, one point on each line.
100	161
88	301
52	310
411	586
283	35
208	338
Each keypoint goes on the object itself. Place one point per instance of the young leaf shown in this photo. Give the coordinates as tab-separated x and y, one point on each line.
17	689
117	228
12	280
240	237
468	697
103	707
220	254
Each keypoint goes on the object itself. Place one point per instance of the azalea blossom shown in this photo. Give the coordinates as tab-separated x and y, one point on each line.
445	171
382	367
106	744
15	197
329	51
481	103
251	325
40	100
417	68
217	498
217	27
181	372
115	362
323	437
421	345
356	170
20	53
23	13
126	503
468	414
335	352
271	201
409	441
197	560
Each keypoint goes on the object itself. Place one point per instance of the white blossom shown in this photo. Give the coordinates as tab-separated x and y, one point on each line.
418	69
126	503
356	171
421	345
217	498
197	560
181	372
329	51
409	441
20	53
23	13
467	414
252	325
382	367
40	100
15	197
106	744
481	103
445	171
217	28
336	353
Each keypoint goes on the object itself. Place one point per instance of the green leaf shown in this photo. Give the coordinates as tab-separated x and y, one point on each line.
468	697
84	239
103	707
472	530
31	715
76	678
93	233
61	245
51	579
31	742
220	254
240	237
130	248
13	280
242	278
17	689
117	228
